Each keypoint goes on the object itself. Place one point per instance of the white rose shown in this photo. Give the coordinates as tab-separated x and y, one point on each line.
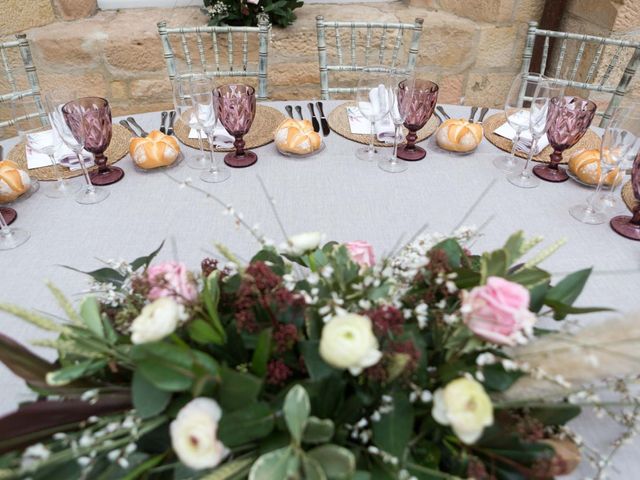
348	342
303	242
156	320
465	406
194	434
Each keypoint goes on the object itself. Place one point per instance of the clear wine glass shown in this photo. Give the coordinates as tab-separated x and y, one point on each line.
74	140
10	237
538	125
372	99
185	112
399	107
33	125
621	142
517	116
202	98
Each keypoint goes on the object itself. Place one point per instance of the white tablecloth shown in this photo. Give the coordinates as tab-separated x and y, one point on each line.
334	193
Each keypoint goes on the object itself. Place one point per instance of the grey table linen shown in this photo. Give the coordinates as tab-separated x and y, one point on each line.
334	193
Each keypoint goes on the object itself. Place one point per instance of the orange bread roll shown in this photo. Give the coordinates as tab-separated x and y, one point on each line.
155	150
458	135
586	166
297	136
13	181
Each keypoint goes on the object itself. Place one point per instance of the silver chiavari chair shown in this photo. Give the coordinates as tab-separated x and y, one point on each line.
221	41
377	36
605	54
13	52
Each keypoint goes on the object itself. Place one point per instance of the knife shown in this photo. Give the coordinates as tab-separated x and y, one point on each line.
472	114
299	110
314	120
289	110
163	120
126	125
483	112
444	114
172	117
323	120
135	124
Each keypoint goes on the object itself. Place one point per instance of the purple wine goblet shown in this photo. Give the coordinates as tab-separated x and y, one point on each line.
623	224
89	119
423	97
568	119
236	105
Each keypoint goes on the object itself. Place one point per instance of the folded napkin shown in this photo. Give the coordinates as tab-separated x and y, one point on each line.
507	131
384	128
63	155
221	138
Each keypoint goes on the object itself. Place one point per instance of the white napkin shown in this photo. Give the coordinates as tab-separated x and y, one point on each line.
507	131
63	155
221	137
384	128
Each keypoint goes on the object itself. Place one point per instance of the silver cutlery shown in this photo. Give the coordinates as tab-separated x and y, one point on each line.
299	110
163	120
473	113
172	118
1	152
323	120
126	125
438	116
444	114
314	120
483	113
289	110
133	122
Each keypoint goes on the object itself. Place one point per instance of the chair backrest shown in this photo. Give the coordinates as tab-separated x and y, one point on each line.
11	53
378	37
596	75
221	41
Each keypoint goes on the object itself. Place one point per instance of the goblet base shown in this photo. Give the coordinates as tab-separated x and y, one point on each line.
586	214
523	180
549	174
12	238
215	176
9	215
89	196
507	163
368	154
109	177
411	154
198	163
622	226
62	188
240	161
392	167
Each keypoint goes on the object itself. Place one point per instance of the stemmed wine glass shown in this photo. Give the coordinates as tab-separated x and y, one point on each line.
74	139
569	119
398	112
621	140
32	124
517	116
236	108
623	224
11	237
372	98
184	110
201	90
538	111
423	96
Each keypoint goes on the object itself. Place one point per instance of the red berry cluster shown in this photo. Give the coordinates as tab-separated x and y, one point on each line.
386	319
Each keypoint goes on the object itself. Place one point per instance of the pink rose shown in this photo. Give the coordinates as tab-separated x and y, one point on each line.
499	312
171	279
361	252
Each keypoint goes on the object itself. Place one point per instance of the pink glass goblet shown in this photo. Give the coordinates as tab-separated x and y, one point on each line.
9	215
630	226
89	119
236	106
423	97
568	119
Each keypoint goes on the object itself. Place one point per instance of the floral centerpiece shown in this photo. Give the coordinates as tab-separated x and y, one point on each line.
311	361
247	12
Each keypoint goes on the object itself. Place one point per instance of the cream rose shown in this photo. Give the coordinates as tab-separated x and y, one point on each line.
303	242
348	342
194	434
156	320
465	406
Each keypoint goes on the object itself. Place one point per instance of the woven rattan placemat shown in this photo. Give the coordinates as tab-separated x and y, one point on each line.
261	132
339	123
117	149
627	195
590	141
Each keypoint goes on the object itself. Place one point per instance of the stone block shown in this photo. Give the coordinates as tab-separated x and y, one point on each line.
151	89
451	88
494	11
528	10
488	89
119	90
92	83
496	47
75	9
18	15
428	4
600	12
447	42
294	73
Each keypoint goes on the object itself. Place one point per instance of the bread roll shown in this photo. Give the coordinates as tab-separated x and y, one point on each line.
13	181
297	136
585	165
458	135
155	150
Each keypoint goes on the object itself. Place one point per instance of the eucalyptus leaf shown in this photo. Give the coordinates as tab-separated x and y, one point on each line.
202	332
148	400
568	289
337	462
238	389
493	264
145	260
393	431
318	430
273	465
245	425
312	469
261	353
90	314
296	411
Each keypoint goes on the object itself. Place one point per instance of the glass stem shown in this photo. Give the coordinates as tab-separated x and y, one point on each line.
85	173
214	165
56	167
512	158
200	143
372	149
534	144
5	231
394	157
590	207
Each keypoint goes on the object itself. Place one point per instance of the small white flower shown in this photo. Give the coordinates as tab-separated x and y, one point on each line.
194	434
84	461
156	321
303	242
32	456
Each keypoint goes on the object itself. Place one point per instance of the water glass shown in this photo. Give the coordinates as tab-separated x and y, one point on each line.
372	99
184	110
399	108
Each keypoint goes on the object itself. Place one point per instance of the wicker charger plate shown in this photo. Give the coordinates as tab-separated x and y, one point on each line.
339	123
628	197
590	141
262	130
117	149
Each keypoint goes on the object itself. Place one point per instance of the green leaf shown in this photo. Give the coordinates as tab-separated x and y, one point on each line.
561	310
211	298
272	259
162	378
537	295
312	469
393	431
147	399
493	264
556	414
316	366
238	389
513	247
497	379
146	260
245	425
530	277
73	372
337	462
168	367
318	430
272	465
453	250
23	363
90	313
261	353
237	468
296	411
568	289
102	275
202	332
143	467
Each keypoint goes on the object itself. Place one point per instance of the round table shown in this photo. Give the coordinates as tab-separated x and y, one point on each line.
332	192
